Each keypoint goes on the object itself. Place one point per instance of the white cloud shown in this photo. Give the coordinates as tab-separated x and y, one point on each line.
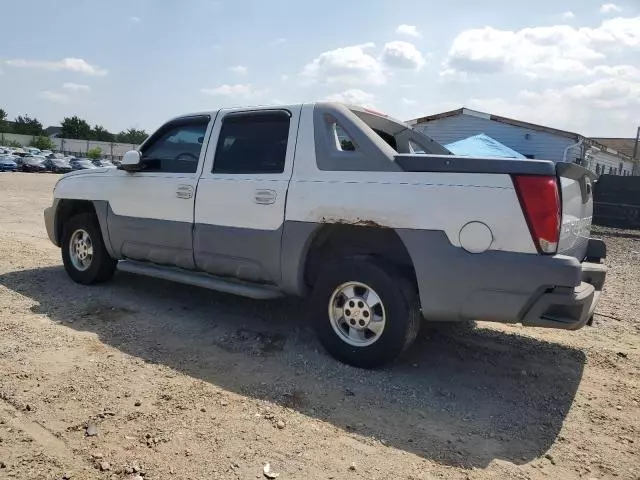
278	41
624	72
605	93
72	64
75	87
410	30
587	108
238	90
239	69
56	97
348	65
568	15
400	54
408	101
354	96
541	52
135	19
610	8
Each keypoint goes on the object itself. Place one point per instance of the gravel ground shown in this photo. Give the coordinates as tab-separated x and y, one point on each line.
141	378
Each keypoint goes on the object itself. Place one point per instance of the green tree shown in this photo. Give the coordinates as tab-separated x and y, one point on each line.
3	123
94	153
43	143
132	135
12	144
25	125
75	127
102	134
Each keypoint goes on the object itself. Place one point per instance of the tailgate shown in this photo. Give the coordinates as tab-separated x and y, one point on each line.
576	195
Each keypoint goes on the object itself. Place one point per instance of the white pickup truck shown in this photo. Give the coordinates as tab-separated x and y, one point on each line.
378	225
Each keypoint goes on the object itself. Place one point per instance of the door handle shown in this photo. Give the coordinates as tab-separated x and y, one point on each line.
184	191
265	196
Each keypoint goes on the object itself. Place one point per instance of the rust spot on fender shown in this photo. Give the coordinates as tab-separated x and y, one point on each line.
358	222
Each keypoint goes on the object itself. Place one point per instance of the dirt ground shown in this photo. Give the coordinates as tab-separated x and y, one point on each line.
141	378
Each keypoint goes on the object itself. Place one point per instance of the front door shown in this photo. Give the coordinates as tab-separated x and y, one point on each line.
151	211
239	212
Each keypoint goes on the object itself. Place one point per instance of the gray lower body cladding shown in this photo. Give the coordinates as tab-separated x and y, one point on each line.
249	254
454	285
537	290
50	222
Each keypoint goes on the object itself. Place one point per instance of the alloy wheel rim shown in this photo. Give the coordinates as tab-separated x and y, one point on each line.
357	314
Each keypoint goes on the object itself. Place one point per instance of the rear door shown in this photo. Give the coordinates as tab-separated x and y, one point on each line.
576	192
241	196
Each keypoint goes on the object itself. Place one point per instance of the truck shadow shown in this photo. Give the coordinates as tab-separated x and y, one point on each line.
461	399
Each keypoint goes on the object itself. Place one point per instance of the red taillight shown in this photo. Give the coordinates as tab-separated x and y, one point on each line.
540	202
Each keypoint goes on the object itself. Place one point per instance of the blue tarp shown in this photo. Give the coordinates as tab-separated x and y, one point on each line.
482	146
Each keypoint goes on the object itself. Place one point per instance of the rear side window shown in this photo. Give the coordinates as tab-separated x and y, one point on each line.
252	143
343	142
415	148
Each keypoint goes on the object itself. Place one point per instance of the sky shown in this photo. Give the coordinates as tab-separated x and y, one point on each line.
572	64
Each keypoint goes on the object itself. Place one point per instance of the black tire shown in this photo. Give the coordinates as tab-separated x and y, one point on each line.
400	305
102	266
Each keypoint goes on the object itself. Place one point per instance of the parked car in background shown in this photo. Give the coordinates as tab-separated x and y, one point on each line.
58	165
81	164
57	155
33	164
103	162
7	164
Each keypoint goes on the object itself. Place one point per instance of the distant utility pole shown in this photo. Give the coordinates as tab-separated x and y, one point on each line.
635	153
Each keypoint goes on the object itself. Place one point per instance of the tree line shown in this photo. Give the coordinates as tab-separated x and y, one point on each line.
72	127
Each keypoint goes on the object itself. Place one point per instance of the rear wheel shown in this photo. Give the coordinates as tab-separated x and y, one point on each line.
365	315
84	255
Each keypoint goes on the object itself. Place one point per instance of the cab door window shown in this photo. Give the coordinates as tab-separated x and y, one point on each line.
175	148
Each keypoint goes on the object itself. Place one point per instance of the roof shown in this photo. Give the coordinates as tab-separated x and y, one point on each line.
482	146
495	118
53	130
621	145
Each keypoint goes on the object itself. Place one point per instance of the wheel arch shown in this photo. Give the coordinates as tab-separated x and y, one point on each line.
330	241
68	207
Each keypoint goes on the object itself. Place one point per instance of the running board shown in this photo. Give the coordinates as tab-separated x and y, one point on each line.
198	279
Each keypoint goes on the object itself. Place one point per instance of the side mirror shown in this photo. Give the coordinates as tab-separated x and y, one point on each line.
131	161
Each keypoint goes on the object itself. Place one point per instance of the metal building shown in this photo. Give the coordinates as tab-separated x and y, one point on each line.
531	140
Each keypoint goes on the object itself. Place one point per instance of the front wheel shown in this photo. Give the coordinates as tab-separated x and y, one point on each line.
84	255
365	314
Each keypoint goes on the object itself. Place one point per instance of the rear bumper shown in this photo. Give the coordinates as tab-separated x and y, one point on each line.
568	308
536	290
